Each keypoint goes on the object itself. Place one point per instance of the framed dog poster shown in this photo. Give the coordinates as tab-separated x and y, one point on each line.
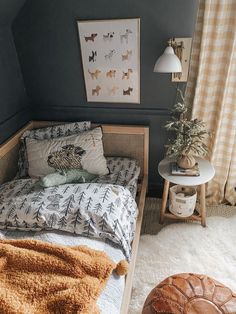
110	52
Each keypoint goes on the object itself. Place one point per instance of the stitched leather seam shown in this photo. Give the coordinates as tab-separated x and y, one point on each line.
198	297
222	303
230	297
190	285
176	289
213	294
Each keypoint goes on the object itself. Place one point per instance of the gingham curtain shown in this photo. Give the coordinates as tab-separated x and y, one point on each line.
211	91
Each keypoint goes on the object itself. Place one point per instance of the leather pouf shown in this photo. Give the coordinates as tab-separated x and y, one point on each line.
190	294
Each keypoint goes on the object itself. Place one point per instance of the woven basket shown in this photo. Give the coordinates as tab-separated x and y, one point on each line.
182	200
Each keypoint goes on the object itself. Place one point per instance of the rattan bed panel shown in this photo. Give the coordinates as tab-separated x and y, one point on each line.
124	145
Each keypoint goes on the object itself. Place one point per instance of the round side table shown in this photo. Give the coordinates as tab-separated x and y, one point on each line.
207	172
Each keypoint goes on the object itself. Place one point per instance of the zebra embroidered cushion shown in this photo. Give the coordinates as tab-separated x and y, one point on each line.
83	151
54	131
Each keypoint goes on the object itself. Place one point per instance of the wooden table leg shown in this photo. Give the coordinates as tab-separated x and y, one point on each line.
164	200
203	204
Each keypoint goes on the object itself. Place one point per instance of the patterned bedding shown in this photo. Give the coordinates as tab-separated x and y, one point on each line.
95	210
99	210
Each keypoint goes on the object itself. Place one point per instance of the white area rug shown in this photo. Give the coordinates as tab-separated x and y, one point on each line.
185	247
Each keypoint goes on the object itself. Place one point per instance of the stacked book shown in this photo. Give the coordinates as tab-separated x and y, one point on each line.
177	171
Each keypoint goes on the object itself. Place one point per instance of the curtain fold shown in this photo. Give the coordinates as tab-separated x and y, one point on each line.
211	91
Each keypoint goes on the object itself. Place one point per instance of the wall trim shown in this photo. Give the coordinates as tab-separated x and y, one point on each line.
9	126
24	109
138	111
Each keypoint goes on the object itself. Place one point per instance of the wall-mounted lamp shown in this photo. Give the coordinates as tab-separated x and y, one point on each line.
168	62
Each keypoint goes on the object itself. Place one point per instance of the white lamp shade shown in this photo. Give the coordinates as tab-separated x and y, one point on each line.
168	62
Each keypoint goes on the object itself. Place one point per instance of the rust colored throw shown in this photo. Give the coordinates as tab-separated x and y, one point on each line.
39	277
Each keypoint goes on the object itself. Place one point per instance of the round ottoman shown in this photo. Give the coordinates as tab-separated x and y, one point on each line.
190	294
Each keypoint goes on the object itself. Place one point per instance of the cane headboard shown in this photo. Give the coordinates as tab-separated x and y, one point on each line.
119	140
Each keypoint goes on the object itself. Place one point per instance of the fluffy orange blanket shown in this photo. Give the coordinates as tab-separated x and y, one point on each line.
38	277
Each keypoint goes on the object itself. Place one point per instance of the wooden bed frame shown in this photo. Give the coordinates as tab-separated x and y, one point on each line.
131	141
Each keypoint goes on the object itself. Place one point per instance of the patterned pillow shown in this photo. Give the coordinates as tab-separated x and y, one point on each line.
50	132
117	164
80	151
124	171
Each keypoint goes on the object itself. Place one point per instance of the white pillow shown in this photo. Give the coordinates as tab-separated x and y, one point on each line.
83	151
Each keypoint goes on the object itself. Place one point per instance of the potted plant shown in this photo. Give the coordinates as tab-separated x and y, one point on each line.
189	136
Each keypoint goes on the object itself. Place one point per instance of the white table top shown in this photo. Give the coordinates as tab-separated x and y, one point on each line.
207	172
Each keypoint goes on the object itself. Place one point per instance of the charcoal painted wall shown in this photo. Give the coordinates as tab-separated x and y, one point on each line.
14	109
47	43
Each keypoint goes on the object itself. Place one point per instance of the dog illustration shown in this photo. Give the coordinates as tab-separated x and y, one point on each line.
125	36
91	37
69	157
108	36
113	90
92	57
95	91
127	56
111	73
126	75
109	55
128	91
94	75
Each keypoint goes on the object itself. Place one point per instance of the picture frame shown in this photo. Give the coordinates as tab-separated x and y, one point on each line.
182	48
110	51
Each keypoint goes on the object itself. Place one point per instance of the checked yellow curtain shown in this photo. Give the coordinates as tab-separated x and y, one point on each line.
211	91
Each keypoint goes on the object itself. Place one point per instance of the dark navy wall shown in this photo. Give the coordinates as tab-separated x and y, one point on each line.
9	10
14	109
47	43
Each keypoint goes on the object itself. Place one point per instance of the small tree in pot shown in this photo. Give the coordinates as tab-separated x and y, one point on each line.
189	136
